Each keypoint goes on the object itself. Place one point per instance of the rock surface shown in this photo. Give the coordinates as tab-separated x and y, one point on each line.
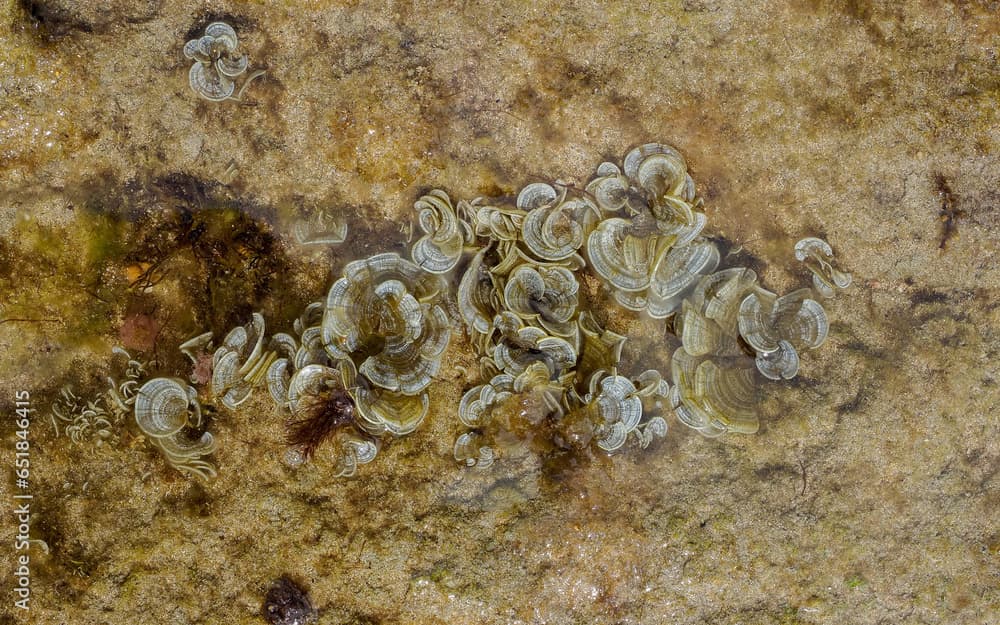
870	494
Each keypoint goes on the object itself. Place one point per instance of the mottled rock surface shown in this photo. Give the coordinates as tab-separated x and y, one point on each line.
129	206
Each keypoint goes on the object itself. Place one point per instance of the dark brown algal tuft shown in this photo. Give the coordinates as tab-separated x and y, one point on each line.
321	416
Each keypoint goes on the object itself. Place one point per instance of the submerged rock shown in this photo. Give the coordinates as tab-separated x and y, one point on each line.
287	604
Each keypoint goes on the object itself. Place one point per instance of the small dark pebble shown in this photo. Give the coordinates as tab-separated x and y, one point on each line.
287	604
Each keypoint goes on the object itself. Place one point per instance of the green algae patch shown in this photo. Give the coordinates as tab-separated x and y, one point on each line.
56	282
855	581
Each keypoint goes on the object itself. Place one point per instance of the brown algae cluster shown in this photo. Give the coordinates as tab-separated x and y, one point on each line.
369	352
166	410
217	63
552	367
358	366
94	419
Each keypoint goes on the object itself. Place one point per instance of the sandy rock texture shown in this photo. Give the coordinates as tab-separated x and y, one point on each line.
871	493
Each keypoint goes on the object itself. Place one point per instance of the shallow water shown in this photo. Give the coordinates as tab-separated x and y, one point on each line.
136	214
